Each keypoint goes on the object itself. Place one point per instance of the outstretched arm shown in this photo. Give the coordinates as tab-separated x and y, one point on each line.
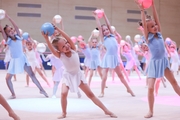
155	15
67	38
99	27
45	59
107	22
143	18
14	24
53	50
119	38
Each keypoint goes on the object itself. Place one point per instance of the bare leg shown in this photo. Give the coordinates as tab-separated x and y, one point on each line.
4	103
15	78
64	93
6	65
137	71
121	77
103	83
42	75
96	73
42	67
90	77
124	71
99	70
172	80
86	72
113	75
157	84
27	80
88	92
151	82
163	82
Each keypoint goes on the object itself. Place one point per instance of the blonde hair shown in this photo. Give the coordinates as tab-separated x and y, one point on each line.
56	40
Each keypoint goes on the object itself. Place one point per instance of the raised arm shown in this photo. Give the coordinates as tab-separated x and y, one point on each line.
67	38
61	23
155	15
52	49
107	22
14	24
99	27
45	59
119	38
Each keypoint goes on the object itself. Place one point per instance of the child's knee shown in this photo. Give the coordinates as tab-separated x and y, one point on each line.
90	95
64	94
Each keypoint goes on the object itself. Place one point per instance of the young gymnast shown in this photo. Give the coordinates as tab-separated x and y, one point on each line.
147	55
126	51
58	70
158	64
85	49
118	38
95	58
110	59
174	57
30	52
72	76
18	61
11	113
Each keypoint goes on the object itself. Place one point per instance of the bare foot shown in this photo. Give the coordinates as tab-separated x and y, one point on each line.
101	95
62	116
110	114
149	115
131	92
14	116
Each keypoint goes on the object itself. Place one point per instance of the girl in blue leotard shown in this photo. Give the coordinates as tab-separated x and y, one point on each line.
18	61
110	59
158	64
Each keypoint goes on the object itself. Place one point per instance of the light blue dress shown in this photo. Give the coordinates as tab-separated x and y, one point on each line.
18	59
95	58
158	62
110	59
87	54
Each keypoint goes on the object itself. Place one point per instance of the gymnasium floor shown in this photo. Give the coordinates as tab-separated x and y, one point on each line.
30	105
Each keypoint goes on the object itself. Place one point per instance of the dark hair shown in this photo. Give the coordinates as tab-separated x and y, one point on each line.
6	27
140	23
97	29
